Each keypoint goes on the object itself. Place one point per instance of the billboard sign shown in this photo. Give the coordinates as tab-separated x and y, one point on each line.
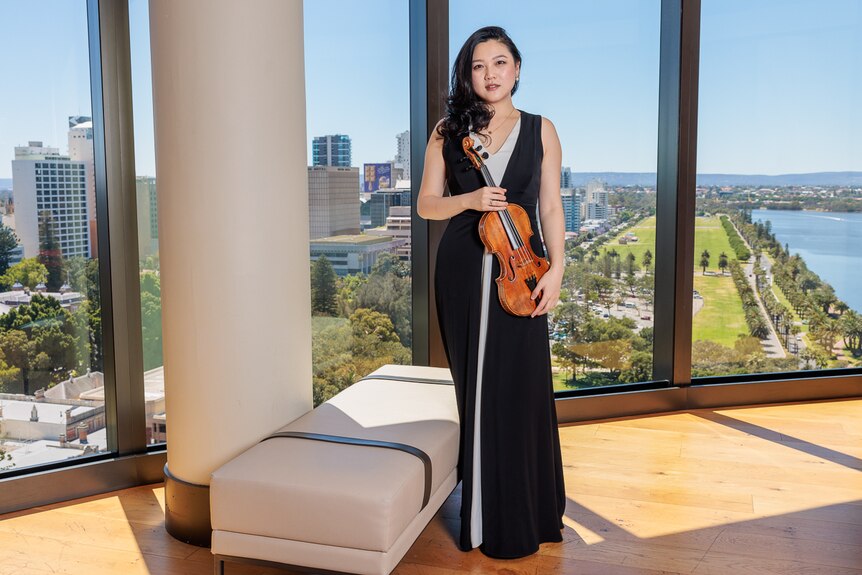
377	176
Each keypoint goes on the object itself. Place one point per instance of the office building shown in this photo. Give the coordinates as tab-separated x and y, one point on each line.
353	254
81	150
331	150
381	202
333	201
148	216
566	177
596	201
50	189
402	157
572	208
397	226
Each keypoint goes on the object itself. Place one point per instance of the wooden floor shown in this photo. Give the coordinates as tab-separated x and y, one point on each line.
765	490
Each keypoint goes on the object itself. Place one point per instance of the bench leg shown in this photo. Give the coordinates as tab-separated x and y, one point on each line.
218	566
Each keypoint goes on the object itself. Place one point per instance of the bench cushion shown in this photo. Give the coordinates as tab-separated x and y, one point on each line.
352	496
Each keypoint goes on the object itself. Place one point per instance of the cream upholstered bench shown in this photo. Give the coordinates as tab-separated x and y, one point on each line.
347	487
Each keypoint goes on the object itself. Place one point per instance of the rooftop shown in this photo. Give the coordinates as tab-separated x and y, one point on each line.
352	239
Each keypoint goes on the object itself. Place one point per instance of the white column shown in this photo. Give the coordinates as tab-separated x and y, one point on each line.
229	108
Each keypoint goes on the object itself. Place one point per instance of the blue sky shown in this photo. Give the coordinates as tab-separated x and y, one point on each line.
777	78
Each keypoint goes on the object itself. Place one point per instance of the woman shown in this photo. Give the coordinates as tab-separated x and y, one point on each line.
513	496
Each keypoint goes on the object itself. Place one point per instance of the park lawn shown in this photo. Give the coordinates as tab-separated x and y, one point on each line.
645	231
709	235
721	318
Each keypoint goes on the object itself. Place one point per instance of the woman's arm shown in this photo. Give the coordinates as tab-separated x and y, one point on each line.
433	205
553	223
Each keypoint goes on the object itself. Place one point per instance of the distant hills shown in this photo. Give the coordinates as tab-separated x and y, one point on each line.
648	179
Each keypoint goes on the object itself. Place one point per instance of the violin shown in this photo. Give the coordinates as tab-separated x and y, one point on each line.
506	233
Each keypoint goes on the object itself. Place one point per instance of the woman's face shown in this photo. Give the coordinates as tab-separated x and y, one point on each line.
494	71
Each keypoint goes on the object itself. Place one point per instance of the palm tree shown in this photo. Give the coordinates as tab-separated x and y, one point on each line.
704	260
647	260
722	262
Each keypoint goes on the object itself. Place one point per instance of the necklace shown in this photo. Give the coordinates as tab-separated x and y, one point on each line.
506	119
490	138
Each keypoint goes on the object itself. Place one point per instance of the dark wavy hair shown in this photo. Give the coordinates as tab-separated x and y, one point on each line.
464	109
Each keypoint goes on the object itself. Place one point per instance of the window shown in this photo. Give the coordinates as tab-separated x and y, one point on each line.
147	208
776	269
361	297
593	69
52	387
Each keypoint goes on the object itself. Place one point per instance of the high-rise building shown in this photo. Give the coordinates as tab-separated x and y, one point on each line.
402	157
597	201
333	201
566	177
148	216
81	150
331	150
50	189
572	208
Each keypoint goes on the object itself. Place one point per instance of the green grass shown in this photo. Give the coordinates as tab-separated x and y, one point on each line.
721	319
645	231
560	379
709	235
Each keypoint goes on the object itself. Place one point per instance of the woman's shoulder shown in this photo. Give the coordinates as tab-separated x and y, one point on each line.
536	117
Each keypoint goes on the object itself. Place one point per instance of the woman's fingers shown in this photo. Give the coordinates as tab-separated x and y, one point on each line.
494	199
547	301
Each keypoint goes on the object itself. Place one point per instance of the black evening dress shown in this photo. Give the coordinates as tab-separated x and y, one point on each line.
509	463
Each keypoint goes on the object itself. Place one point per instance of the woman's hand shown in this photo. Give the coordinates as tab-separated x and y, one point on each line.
549	290
488	199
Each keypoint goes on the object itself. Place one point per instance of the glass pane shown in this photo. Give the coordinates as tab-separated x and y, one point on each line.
776	267
52	394
592	69
359	188
148	222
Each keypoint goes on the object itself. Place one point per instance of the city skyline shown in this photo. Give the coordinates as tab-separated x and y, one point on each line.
601	61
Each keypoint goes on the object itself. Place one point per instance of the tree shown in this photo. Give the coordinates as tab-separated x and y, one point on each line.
50	254
722	262
9	377
17	351
76	273
44	341
323	290
640	367
647	260
631	264
388	291
151	320
8	243
28	272
824	296
704	261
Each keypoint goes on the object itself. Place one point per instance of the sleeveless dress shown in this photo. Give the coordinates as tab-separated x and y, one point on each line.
509	462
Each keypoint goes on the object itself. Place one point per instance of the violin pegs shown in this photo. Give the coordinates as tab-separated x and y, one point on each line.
484	155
